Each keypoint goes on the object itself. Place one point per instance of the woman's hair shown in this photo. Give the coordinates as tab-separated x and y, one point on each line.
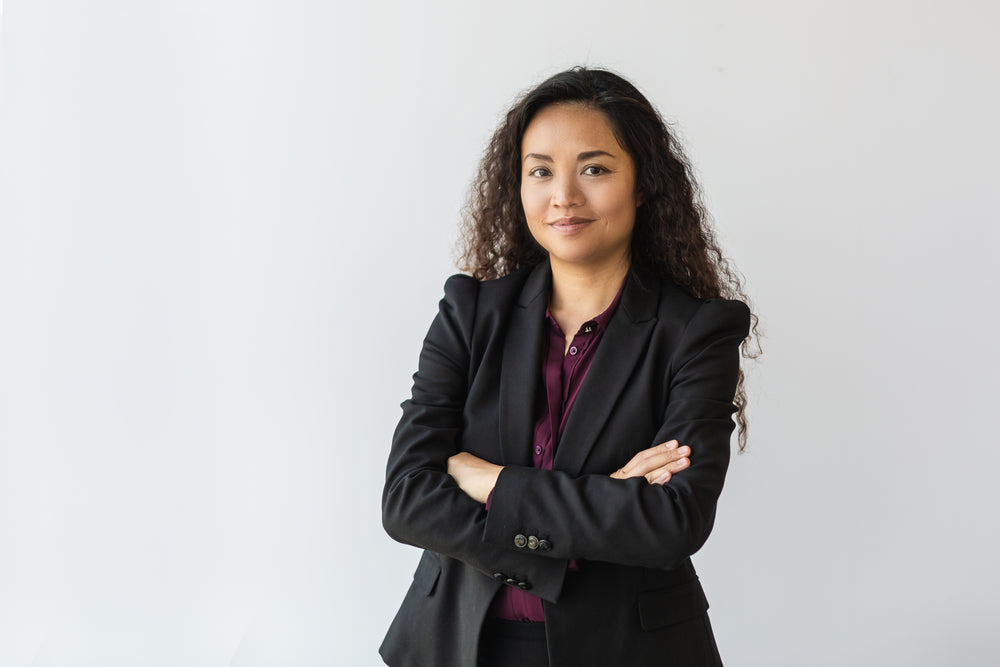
673	236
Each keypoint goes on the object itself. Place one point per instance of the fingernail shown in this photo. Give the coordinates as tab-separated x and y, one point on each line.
663	478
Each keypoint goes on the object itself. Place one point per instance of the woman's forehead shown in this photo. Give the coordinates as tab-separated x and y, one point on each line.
567	129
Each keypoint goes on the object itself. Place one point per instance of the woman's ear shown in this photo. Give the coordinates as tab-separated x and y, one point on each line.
638	198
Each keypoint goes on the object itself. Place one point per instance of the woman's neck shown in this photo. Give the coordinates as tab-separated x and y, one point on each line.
580	293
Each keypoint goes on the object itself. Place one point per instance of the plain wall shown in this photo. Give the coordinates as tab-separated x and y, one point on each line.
224	229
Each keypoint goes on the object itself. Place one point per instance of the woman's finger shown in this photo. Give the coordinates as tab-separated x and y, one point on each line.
641	463
662	475
645	463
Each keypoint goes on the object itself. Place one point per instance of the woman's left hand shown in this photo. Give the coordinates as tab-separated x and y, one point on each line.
657	464
474	475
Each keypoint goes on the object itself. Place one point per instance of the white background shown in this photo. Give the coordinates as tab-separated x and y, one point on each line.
224	227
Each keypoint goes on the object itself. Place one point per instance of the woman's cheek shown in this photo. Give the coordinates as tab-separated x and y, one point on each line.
534	201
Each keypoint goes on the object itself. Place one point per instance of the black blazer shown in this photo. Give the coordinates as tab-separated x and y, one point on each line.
666	369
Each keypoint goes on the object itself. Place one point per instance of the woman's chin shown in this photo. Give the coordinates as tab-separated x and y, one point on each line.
585	259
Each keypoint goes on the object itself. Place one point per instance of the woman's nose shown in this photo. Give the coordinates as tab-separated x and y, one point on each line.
566	193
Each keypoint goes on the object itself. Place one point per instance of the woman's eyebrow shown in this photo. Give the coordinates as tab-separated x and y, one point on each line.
586	155
592	154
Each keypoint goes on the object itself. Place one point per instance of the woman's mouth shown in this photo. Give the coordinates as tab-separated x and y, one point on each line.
569	226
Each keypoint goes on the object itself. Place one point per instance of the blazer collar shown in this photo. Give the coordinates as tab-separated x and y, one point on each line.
640	302
620	349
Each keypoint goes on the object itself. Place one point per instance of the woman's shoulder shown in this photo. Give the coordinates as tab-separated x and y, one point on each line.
480	309
465	288
682	310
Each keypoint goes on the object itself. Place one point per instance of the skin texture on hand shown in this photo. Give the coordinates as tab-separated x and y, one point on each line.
658	464
474	475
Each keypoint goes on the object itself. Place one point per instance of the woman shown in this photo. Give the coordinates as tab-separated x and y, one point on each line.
567	437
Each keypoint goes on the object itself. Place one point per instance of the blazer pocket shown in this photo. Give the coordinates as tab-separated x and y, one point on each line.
427	573
667	606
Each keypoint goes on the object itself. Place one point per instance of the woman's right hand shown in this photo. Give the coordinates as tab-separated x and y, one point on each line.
657	464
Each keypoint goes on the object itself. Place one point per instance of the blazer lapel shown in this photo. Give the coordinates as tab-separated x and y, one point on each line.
520	370
620	349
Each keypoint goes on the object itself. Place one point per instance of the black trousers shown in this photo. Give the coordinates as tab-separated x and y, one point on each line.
512	644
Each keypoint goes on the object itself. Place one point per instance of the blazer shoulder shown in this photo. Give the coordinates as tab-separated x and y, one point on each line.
715	322
731	315
505	290
461	289
461	292
481	308
680	310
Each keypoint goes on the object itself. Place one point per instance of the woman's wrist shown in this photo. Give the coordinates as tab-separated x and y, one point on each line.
474	475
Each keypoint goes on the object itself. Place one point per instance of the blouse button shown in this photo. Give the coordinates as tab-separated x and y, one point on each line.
573	350
538	449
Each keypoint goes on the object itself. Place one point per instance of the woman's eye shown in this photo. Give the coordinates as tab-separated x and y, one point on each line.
594	170
540	172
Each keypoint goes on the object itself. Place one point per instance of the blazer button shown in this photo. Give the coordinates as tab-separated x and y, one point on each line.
520	541
499	576
512	582
523	585
544	545
532	542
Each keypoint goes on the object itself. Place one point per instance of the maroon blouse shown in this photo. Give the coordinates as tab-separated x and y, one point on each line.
562	375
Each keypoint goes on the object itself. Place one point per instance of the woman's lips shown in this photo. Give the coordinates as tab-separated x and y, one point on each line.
569	226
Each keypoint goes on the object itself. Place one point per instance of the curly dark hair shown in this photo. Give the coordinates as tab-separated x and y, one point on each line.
673	236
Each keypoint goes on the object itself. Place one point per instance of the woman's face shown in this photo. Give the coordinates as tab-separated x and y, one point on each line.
577	187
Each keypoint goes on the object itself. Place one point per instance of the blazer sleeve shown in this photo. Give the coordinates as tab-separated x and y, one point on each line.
632	522
422	505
